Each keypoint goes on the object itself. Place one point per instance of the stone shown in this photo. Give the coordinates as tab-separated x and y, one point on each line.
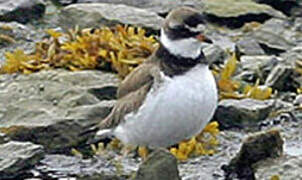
102	14
232	113
249	46
159	165
257	147
157	6
276	36
256	67
21	11
64	2
20	37
99	167
288	7
17	157
53	107
286	167
215	54
234	13
3	138
280	78
298	100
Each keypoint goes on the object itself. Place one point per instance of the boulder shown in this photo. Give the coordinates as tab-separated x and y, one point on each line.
17	157
234	13
21	10
240	113
52	107
286	167
159	165
257	147
102	14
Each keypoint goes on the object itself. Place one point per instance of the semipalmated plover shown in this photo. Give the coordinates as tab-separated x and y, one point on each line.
172	95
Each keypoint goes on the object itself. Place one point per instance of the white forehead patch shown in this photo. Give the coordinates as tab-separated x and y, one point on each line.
188	47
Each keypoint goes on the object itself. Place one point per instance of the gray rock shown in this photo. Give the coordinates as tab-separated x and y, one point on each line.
21	37
64	2
257	147
256	67
235	13
21	10
233	8
102	167
239	113
52	107
221	40
159	165
98	14
286	167
3	138
215	54
157	6
288	7
276	36
249	46
298	100
279	77
17	157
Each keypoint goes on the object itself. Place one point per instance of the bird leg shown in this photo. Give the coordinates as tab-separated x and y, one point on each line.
127	149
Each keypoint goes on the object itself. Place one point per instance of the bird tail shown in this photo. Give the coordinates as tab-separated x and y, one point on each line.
100	135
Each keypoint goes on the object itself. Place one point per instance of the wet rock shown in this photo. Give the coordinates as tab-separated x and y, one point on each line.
232	113
52	107
287	167
249	46
280	78
159	165
21	10
257	147
17	157
234	13
98	14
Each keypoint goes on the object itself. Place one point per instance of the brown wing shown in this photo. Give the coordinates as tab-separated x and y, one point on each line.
128	103
132	93
137	78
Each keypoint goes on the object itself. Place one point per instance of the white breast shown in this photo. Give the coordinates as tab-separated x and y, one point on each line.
179	109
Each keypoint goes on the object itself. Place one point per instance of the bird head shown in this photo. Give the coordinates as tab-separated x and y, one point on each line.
183	32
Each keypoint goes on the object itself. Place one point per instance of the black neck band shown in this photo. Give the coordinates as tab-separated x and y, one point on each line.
169	58
175	65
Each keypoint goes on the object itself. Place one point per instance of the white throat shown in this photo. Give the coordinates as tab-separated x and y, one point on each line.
189	47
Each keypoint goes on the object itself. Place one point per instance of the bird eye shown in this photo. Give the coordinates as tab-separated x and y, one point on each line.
195	20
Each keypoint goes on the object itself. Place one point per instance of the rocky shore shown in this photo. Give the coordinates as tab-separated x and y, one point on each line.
43	113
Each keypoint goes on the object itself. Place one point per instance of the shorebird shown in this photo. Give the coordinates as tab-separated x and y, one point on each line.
172	95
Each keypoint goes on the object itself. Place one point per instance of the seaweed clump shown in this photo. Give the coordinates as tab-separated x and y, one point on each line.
120	48
233	89
202	144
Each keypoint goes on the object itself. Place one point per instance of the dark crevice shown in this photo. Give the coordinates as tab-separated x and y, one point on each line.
24	15
237	22
284	7
270	50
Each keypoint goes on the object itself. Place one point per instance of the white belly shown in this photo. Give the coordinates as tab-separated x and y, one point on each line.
179	109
